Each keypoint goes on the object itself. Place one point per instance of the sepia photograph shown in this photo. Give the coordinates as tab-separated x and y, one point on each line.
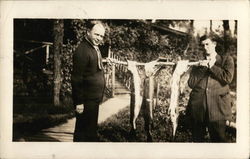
154	80
95	79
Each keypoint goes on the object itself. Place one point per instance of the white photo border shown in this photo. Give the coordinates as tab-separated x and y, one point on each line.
197	10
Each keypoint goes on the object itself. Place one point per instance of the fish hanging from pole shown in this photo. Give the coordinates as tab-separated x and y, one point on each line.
136	97
144	101
181	68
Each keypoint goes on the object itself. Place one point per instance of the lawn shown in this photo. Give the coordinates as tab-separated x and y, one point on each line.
117	128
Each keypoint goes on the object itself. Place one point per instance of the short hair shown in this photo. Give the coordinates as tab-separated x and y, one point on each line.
91	23
213	37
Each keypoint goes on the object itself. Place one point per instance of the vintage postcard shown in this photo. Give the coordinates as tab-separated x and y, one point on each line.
124	79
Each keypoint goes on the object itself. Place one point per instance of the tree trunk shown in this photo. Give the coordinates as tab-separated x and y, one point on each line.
193	42
58	46
226	34
211	26
235	28
191	27
226	27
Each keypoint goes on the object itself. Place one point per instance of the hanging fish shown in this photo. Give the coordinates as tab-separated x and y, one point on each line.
136	98
181	68
144	101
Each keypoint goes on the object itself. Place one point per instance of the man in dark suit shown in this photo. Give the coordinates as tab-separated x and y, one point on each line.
210	103
88	83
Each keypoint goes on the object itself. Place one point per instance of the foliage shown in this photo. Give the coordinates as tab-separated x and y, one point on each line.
129	39
77	27
137	40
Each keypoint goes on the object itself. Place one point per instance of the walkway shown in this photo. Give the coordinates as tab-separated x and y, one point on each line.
64	132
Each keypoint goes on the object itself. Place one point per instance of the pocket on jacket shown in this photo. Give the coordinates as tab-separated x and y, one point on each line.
225	103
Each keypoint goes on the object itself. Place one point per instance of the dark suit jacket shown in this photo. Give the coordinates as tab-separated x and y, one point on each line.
210	90
87	79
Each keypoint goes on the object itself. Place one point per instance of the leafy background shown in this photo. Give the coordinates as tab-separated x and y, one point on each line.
137	40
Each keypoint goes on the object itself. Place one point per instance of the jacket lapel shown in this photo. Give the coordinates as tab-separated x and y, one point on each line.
218	60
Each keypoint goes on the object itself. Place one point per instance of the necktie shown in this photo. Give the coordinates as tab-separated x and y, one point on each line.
99	56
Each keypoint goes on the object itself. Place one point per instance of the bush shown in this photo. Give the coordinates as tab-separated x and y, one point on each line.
129	39
138	40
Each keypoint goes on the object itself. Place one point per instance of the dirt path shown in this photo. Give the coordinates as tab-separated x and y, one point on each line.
64	132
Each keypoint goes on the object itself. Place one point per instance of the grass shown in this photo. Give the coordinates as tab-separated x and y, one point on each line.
32	124
117	128
31	114
29	119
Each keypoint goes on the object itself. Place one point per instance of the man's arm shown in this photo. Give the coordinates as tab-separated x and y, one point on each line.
80	59
195	76
225	73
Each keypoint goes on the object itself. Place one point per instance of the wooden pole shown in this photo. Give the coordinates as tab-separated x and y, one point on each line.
157	94
109	52
47	54
58	44
32	50
158	63
113	80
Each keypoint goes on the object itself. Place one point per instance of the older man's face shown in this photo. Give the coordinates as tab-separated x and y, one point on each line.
209	46
96	34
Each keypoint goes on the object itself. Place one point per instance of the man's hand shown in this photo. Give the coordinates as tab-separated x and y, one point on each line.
204	63
79	108
209	62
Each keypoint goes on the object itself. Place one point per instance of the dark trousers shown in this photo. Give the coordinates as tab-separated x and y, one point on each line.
86	122
216	129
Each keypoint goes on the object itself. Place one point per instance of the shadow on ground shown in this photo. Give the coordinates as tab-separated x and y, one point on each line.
29	129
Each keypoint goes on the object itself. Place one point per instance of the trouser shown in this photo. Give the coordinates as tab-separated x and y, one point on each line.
216	129
86	122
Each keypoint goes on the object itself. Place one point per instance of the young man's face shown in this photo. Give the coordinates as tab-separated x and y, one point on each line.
209	46
96	34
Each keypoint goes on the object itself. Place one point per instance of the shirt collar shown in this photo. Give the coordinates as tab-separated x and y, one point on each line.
90	42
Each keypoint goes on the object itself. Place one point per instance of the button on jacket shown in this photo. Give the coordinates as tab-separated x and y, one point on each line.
210	90
87	78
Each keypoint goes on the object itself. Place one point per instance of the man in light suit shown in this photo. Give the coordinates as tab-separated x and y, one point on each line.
88	83
210	102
